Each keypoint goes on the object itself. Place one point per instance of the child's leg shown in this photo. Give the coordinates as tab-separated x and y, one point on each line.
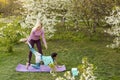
37	56
37	65
33	50
37	60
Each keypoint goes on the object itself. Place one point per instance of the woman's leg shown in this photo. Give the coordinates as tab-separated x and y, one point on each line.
30	53
38	44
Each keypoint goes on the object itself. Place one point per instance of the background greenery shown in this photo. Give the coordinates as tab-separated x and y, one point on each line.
81	36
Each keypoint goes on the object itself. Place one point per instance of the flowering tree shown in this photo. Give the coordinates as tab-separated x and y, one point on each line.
114	21
45	10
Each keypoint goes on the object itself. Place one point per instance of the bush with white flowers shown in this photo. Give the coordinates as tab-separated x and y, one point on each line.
46	11
114	21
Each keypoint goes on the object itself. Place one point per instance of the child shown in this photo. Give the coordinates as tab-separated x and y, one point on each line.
38	58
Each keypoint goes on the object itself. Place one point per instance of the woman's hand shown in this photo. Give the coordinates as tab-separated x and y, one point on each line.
46	46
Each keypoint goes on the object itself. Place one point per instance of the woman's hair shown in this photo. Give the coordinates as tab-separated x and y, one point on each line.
38	23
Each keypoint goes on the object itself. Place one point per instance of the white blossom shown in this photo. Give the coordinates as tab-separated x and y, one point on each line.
114	21
43	10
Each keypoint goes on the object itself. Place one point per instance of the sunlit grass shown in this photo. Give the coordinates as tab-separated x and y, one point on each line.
70	53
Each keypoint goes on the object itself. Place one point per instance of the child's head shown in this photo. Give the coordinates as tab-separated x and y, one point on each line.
54	55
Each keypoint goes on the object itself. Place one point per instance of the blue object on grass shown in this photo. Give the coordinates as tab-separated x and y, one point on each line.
74	72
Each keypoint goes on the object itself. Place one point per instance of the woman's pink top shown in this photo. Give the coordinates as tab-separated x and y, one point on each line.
36	34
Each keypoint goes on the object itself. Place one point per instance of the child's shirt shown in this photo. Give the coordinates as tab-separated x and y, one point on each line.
47	60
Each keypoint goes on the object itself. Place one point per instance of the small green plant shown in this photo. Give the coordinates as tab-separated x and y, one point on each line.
86	72
10	34
53	69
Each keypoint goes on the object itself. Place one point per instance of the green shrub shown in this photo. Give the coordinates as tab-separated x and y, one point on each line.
10	34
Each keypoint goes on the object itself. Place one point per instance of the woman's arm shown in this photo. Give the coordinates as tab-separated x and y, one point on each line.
43	38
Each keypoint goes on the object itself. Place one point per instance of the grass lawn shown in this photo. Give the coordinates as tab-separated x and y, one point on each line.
70	53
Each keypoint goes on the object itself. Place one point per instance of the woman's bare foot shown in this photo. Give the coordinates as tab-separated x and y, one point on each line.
27	65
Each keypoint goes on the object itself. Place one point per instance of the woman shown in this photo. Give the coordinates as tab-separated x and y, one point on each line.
34	38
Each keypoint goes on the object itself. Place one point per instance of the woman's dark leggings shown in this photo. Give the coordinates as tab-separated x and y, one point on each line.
39	47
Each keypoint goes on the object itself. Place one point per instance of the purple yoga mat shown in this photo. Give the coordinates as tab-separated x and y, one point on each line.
43	68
